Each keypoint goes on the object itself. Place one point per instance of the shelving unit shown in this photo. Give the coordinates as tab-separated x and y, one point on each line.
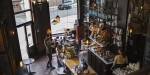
101	45
103	24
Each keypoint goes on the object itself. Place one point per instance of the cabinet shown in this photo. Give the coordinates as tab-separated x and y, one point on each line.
98	65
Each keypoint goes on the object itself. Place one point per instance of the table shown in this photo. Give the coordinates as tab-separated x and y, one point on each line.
28	62
71	63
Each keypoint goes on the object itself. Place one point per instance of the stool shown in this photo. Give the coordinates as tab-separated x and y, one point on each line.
28	62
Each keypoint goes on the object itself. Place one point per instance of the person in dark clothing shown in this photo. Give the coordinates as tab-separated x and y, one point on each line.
49	44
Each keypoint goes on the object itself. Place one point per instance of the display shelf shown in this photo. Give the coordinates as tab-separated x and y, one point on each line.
101	45
103	19
106	61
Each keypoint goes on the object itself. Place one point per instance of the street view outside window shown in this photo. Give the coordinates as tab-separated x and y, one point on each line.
66	10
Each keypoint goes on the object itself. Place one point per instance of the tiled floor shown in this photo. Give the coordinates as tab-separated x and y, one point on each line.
39	66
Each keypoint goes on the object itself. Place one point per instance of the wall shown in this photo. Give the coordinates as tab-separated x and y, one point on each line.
147	50
10	57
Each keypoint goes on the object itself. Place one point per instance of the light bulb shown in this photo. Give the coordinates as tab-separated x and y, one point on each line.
21	64
130	30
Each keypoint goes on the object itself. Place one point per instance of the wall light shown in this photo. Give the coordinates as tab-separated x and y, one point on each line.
21	64
130	31
12	32
34	2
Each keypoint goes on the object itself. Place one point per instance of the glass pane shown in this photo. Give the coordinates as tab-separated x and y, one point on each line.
67	12
20	5
22	42
23	17
29	35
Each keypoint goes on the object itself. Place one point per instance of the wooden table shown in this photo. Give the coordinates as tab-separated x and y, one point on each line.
71	63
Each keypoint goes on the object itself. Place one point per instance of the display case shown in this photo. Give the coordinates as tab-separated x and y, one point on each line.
104	34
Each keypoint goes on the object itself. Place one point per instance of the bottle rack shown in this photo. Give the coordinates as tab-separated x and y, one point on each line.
106	11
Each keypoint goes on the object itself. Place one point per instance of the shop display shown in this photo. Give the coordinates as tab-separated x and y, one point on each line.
69	52
103	54
101	34
93	4
104	33
132	67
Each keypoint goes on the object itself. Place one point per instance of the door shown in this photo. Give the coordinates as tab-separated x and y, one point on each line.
25	40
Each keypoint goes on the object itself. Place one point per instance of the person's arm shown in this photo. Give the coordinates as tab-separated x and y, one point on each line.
114	62
45	43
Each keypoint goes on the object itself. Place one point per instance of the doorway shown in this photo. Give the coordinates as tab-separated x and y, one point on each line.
25	39
23	18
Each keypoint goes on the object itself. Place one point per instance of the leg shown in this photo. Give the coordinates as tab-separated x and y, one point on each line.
58	61
50	61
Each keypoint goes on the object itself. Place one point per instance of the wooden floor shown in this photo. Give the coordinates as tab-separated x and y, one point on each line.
39	66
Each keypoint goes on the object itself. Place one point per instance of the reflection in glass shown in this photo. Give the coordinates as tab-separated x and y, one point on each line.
19	5
23	17
29	35
22	42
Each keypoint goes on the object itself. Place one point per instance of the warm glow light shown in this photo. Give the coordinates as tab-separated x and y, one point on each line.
12	32
87	42
48	31
130	30
141	7
21	64
34	2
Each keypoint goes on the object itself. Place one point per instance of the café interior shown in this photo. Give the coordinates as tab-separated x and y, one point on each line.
110	37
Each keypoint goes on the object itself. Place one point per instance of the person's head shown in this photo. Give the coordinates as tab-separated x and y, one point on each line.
121	52
48	33
58	16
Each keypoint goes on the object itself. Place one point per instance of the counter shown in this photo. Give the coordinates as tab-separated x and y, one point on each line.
99	61
102	58
71	63
99	64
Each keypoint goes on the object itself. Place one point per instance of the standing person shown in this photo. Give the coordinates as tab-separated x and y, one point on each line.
120	60
49	47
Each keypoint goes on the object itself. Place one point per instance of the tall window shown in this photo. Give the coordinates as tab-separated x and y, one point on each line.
67	11
23	19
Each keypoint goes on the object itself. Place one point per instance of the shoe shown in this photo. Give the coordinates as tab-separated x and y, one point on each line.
47	67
